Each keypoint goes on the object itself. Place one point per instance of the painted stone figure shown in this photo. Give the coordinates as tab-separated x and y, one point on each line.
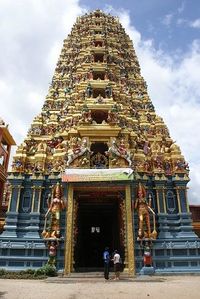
89	90
56	205
144	209
120	150
52	251
147	258
77	149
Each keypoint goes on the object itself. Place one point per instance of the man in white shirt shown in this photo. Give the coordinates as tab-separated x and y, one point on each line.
117	264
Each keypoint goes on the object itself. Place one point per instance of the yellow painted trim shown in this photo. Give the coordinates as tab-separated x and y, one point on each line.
33	198
178	198
18	197
39	199
164	200
130	233
69	232
9	203
158	202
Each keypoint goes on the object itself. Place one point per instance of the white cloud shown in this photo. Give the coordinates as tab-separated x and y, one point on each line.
187	23
195	24
31	34
181	21
167	19
175	91
181	7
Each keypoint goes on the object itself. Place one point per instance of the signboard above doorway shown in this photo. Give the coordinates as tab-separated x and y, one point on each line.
96	175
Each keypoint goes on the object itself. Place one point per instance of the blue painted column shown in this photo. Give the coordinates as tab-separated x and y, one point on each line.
11	222
160	187
37	187
186	228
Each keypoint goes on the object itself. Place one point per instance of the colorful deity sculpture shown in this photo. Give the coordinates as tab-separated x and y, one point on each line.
56	205
52	251
119	150
147	258
144	209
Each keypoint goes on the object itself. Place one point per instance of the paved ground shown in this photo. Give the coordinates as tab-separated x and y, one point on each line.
168	287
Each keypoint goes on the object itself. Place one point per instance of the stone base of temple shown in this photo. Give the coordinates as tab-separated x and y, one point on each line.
169	256
172	256
147	271
20	254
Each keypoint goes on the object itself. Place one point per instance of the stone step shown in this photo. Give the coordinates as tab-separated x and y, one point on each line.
94	277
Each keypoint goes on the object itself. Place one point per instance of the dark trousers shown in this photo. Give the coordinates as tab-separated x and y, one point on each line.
106	270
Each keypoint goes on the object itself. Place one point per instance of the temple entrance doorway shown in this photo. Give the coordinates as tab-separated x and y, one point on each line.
98	224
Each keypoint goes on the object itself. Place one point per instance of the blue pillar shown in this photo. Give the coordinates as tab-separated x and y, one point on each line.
160	186
37	187
186	228
11	222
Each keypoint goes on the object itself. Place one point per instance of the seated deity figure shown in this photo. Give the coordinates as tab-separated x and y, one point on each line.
143	208
99	99
56	205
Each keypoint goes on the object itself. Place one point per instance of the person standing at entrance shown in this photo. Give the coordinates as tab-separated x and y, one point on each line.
106	258
117	264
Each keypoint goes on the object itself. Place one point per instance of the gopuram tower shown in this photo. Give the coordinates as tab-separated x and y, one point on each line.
98	166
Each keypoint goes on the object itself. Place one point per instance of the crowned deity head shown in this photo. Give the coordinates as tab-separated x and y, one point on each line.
57	191
141	192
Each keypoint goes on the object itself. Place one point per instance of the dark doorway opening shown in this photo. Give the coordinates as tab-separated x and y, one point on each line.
98	43
99	147
99	116
97	227
98	57
98	75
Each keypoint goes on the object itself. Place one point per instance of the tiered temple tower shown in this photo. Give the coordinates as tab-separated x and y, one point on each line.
98	134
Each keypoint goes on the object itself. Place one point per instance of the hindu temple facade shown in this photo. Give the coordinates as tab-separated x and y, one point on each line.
99	136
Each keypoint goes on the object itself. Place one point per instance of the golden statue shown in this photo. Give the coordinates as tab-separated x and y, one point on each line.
56	205
144	208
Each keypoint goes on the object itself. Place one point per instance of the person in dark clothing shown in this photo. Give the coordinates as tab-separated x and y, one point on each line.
106	258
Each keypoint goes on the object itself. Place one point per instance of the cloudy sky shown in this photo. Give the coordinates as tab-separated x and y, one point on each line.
166	36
